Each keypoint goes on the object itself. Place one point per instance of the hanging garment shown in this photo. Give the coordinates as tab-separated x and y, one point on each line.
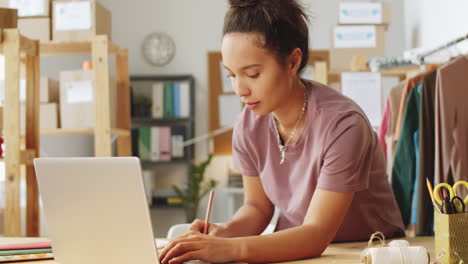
451	122
383	128
404	164
409	85
414	204
394	100
425	212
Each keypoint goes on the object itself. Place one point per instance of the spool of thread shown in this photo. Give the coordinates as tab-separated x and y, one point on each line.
396	255
399	243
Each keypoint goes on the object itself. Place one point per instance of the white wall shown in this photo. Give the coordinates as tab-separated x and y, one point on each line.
430	23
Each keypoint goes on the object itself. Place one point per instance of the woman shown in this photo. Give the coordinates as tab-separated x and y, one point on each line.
300	146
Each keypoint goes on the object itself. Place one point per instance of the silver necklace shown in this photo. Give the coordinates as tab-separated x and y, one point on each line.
282	147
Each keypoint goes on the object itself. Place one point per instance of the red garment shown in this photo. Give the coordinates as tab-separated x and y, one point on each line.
383	129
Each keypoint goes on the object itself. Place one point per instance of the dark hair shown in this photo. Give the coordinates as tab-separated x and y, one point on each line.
281	23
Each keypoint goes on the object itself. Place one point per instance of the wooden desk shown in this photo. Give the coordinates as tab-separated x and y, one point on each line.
343	253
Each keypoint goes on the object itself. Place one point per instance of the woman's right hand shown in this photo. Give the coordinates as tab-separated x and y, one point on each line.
213	229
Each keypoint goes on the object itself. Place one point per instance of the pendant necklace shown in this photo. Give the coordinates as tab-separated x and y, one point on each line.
282	147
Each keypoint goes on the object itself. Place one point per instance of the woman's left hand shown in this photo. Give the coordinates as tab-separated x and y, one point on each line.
197	246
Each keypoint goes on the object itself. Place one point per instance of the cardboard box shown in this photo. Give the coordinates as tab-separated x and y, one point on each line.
48	116
364	13
37	28
77	104
28	8
349	41
49	90
8	18
80	20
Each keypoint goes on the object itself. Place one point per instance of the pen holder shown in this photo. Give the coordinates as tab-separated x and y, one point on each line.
451	237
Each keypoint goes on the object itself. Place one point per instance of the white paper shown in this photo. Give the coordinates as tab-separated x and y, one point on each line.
161	243
30	7
225	80
360	13
79	91
354	37
229	107
365	88
72	16
308	72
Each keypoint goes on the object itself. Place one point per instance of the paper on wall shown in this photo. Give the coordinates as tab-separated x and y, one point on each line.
79	91
229	107
29	7
225	80
72	16
365	88
360	13
354	37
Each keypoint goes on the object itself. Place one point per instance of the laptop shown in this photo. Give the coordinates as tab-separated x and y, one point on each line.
96	210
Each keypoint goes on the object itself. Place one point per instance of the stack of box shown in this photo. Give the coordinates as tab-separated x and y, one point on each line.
34	17
360	33
48	108
77	101
60	20
80	20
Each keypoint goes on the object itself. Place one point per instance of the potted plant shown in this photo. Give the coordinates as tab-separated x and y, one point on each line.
142	106
196	189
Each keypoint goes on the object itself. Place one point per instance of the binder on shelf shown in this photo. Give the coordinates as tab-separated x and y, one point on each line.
176	99
168	100
164	143
144	143
155	143
177	139
158	100
135	142
184	99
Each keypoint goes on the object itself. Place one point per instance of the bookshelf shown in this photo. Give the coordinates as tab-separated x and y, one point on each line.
163	108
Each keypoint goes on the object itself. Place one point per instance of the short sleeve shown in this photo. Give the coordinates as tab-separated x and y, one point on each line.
242	157
347	155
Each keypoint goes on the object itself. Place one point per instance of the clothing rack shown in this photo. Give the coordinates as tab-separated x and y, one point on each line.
449	44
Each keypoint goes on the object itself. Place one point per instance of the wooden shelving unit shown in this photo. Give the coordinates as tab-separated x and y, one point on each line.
13	46
100	48
18	49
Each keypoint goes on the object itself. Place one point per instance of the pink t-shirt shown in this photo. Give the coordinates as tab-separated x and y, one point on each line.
336	151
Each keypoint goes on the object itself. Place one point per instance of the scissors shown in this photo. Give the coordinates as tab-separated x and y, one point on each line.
453	200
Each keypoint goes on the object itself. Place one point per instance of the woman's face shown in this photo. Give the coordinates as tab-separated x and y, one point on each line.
256	76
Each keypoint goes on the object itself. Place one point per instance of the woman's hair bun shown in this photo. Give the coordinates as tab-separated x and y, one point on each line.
244	3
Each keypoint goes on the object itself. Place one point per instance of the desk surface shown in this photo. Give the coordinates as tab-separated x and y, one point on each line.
343	253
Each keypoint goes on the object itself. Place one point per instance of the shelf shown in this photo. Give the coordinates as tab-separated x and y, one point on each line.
165	121
163	206
89	131
385	72
175	161
71	48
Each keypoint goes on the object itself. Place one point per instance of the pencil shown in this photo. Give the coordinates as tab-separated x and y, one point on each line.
431	193
208	212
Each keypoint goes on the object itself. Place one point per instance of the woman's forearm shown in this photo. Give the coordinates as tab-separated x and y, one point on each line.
248	221
296	243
